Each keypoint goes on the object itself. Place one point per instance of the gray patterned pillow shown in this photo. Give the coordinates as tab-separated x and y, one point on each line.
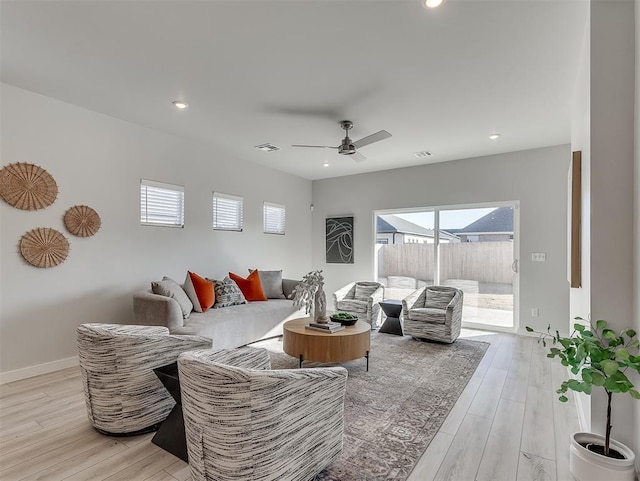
438	299
227	293
169	288
364	292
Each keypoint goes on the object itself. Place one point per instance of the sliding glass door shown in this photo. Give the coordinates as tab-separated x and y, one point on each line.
473	248
481	262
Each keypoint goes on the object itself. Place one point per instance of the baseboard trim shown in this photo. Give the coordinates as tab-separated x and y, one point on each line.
31	371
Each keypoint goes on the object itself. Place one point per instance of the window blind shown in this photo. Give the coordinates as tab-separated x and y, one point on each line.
227	211
274	218
161	204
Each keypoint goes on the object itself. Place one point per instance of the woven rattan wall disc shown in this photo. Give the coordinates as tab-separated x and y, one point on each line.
27	186
82	221
44	247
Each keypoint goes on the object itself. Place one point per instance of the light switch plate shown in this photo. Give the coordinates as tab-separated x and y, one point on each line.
538	256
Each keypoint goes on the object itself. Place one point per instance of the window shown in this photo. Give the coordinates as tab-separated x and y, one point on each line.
227	212
161	204
274	218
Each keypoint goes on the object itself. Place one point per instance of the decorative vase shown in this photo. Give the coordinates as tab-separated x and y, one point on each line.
585	465
320	305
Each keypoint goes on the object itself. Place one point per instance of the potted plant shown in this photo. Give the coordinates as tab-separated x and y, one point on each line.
598	357
310	293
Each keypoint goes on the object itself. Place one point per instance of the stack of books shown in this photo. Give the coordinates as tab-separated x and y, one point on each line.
326	327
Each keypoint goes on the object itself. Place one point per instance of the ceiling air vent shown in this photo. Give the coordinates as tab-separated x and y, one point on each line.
423	154
267	147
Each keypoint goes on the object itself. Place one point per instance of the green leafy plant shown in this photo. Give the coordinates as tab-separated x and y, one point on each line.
303	293
343	315
599	356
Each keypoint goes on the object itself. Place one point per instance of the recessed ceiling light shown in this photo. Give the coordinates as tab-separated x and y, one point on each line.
432	3
424	153
179	104
267	147
325	163
494	136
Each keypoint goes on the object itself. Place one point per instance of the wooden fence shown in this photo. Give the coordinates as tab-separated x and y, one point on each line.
476	261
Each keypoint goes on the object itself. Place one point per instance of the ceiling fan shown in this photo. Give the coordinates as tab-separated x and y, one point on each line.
348	147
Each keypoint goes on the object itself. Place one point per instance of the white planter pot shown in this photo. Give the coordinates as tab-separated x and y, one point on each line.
586	465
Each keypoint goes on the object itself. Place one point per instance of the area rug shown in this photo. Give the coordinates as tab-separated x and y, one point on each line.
393	411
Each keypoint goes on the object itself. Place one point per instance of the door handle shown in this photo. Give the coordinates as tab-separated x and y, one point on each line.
514	266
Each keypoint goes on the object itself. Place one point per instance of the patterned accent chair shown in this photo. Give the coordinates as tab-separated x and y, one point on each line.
122	393
244	421
361	298
434	313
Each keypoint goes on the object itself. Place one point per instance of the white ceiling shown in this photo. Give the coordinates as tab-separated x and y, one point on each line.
286	72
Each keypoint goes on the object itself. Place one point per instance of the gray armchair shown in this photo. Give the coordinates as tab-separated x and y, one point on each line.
246	422
434	313
361	298
122	393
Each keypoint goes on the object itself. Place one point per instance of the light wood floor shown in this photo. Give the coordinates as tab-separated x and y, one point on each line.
507	425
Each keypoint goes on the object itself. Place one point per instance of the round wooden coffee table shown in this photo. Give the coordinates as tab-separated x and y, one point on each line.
353	342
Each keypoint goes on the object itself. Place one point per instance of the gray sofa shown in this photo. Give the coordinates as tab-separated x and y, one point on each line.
227	327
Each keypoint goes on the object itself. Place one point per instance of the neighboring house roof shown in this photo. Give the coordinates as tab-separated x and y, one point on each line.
498	220
391	224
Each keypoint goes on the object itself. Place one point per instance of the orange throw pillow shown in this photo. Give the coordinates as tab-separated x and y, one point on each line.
200	291
251	287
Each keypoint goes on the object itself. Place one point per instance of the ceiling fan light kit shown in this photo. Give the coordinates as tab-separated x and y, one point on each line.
432	3
347	146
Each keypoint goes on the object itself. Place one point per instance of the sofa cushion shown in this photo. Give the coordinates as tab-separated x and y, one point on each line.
352	305
251	287
271	283
200	292
227	293
438	299
428	314
169	288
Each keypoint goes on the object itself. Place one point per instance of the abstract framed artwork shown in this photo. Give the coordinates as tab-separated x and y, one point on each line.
339	233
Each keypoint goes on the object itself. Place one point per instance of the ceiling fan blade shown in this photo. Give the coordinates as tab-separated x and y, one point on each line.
358	157
370	139
315	146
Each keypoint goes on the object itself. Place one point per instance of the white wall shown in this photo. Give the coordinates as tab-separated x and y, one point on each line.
537	178
580	298
98	161
636	229
612	187
602	127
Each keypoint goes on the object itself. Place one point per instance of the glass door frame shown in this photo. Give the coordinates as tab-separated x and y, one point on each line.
436	246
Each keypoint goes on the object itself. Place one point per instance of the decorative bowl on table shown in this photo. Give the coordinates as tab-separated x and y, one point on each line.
344	318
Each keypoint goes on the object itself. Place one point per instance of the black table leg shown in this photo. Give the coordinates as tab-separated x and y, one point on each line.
171	436
367	356
300	365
